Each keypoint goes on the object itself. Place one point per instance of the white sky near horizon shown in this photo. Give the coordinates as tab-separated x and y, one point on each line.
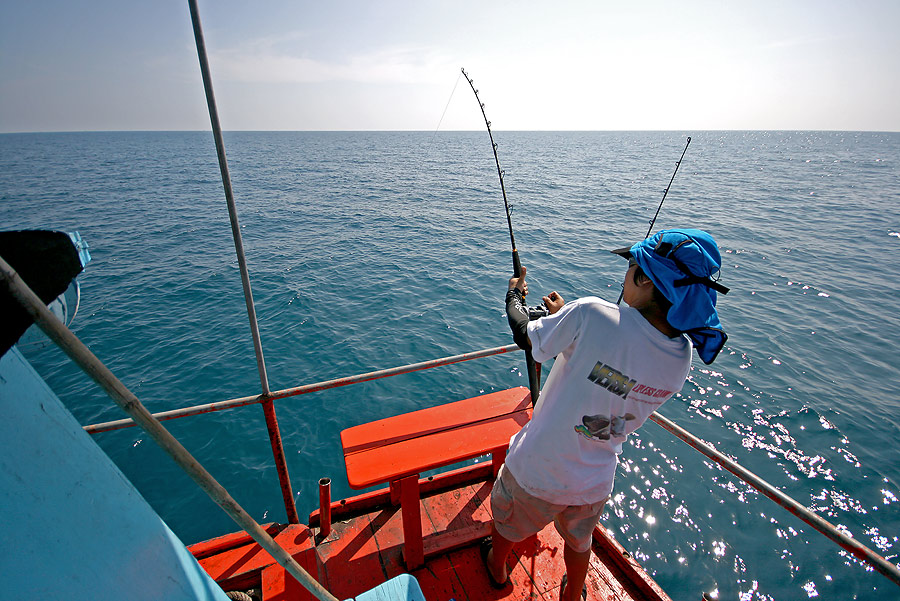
395	65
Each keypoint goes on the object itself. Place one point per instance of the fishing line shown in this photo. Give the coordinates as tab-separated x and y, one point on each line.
534	369
446	107
665	193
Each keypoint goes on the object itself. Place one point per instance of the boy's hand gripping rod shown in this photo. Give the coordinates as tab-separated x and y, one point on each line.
534	369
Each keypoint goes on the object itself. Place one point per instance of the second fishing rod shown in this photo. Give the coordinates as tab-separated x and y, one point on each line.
658	208
534	369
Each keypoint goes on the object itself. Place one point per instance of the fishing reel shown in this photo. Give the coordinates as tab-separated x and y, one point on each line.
536	312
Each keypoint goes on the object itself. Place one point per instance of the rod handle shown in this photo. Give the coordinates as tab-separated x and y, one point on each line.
517	265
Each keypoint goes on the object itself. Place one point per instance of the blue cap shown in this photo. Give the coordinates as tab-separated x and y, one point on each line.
681	263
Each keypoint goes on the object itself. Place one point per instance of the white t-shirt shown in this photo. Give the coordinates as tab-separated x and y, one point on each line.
612	370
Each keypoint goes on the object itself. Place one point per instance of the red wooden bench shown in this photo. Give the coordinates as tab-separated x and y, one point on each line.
397	449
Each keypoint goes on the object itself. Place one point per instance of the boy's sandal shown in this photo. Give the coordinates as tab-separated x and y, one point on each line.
484	549
562	587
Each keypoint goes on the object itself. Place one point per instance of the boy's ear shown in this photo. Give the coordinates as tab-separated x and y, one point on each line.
643	279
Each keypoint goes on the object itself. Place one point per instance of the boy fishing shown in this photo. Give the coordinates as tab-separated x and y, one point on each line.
614	366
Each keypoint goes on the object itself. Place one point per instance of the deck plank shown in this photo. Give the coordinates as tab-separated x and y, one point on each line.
459	508
542	557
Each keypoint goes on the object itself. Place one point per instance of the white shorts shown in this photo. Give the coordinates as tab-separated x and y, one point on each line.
519	514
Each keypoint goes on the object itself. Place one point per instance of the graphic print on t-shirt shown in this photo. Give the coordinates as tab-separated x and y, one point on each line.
598	427
611	379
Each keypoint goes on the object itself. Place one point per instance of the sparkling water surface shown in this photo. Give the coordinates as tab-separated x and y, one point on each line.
369	250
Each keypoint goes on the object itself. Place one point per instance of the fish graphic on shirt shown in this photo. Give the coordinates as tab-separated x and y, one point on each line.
599	427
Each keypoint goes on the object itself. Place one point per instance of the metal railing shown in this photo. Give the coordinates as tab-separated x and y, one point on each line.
305	389
847	542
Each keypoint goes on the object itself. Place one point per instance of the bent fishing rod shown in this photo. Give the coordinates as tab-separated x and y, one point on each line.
534	369
658	208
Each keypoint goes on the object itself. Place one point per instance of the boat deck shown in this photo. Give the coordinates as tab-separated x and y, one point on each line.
368	550
365	548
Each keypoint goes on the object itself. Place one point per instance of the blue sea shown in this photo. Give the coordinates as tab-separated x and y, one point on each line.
369	250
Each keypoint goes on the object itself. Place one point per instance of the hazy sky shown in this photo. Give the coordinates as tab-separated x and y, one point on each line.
393	65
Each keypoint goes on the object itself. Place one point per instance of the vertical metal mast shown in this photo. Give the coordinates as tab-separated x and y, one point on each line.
268	406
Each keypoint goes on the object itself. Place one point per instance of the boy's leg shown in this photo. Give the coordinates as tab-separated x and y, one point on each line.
576	571
498	554
576	526
513	509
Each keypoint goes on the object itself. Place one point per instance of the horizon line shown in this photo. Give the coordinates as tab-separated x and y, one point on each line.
435	132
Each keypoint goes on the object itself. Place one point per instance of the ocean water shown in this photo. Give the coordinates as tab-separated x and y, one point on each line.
369	250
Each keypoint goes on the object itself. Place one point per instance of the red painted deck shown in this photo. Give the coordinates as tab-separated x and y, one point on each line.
365	549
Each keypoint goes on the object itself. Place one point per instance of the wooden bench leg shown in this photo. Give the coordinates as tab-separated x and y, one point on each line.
497	458
394	487
413	550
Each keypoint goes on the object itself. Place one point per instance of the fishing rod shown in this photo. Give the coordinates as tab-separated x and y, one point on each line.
665	193
534	369
517	265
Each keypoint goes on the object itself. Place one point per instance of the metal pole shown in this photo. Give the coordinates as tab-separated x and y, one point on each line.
129	403
305	389
229	194
848	543
280	464
276	443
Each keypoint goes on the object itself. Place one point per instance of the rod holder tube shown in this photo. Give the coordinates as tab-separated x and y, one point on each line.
324	507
